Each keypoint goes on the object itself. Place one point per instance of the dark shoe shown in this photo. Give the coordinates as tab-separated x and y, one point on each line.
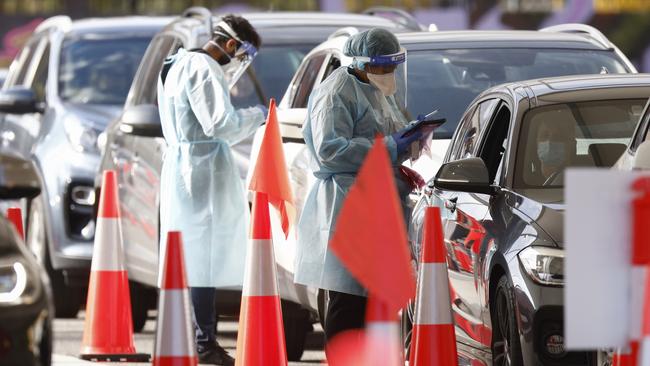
214	354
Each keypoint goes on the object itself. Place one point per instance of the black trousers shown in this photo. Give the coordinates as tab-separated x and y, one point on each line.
205	314
344	312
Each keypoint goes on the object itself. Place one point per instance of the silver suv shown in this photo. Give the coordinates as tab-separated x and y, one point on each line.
63	88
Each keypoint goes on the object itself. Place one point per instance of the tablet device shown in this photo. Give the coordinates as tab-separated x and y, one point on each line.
426	123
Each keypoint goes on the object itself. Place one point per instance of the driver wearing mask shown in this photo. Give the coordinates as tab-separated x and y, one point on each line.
556	146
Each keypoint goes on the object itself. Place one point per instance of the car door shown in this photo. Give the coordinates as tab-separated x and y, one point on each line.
138	161
20	132
462	214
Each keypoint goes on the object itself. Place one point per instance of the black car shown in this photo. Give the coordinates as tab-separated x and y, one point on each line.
133	144
26	308
501	195
63	88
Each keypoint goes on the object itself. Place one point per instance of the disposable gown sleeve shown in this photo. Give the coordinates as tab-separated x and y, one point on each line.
209	98
332	128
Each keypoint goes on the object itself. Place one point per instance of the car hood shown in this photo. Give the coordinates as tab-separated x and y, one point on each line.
544	208
97	116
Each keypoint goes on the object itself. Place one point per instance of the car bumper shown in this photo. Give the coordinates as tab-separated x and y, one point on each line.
70	225
540	318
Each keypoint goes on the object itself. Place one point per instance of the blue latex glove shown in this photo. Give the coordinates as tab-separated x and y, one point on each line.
264	110
402	141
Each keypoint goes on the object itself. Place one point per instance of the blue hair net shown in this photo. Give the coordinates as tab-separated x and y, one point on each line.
373	42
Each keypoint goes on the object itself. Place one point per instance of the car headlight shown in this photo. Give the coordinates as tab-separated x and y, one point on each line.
544	265
82	137
13	282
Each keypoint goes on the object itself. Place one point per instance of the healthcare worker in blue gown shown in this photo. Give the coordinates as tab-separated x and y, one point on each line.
345	113
201	193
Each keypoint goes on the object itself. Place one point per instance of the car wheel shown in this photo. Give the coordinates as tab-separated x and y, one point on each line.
67	300
45	348
297	324
406	327
139	306
506	348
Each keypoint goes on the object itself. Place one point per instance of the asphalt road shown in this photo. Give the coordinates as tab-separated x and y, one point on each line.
68	334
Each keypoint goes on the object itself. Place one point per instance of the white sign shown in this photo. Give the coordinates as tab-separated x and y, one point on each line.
598	235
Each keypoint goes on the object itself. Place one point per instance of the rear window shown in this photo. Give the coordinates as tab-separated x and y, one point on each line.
450	79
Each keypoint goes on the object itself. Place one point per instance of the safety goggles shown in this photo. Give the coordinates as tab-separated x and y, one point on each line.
242	58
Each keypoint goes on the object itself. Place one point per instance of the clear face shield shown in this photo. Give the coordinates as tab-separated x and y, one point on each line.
388	74
242	58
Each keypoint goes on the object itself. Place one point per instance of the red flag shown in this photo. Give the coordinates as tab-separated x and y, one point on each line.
370	237
270	174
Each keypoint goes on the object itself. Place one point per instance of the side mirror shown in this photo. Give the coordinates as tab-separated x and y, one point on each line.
466	175
291	121
642	157
141	120
18	178
19	100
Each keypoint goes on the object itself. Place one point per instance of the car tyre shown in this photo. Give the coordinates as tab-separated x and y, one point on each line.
406	327
297	324
45	347
139	306
506	347
67	299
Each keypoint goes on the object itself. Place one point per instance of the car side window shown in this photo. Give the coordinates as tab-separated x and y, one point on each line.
642	131
21	65
468	138
495	140
39	81
307	81
333	64
146	84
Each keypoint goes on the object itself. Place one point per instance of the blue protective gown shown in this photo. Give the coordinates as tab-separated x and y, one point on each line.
201	193
344	116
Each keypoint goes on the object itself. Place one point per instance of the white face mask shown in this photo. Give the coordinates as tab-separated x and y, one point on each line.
385	83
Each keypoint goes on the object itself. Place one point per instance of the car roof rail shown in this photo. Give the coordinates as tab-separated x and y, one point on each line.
345	31
398	15
202	13
61	21
592	32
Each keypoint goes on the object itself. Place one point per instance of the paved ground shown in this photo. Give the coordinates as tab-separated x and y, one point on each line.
68	333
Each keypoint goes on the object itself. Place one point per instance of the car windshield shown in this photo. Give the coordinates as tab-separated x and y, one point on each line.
273	67
99	69
583	134
450	79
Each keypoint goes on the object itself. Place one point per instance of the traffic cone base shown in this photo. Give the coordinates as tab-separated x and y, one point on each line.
174	332
108	327
438	337
433	338
260	336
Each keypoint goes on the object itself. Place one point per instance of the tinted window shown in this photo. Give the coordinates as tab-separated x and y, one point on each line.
99	70
145	90
40	77
468	138
307	81
558	136
274	66
642	130
450	79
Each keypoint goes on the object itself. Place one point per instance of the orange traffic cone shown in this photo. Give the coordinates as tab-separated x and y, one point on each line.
433	339
108	328
382	335
14	214
174	335
260	339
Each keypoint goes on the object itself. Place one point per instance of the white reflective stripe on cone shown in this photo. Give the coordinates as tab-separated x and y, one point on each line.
260	278
637	292
433	301
107	248
174	336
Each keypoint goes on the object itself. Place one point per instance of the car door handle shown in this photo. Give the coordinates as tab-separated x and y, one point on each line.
450	204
